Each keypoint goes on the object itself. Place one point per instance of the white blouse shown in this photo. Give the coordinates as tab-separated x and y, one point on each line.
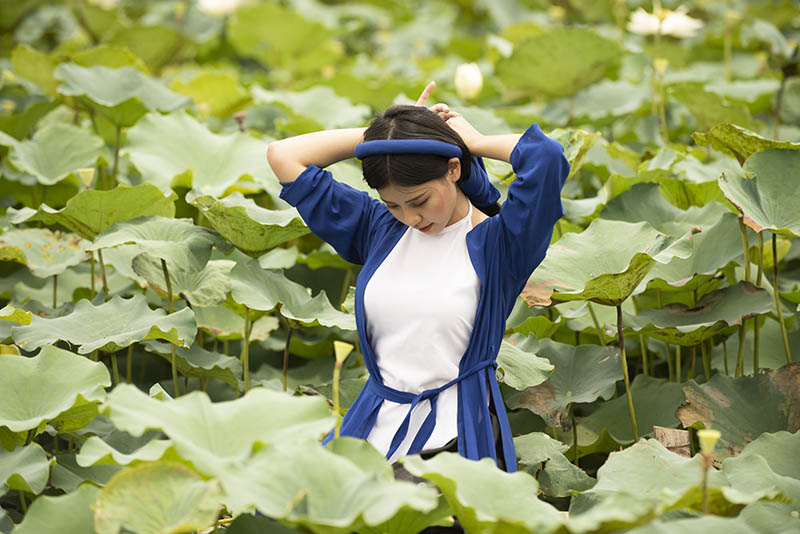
420	308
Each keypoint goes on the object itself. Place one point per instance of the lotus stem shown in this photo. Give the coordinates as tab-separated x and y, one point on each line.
116	157
740	354
596	324
692	361
286	357
94	356
173	359
55	291
670	365
706	465
574	430
337	372
129	365
103	272
625	374
678	365
776	292
22	502
706	360
778	102
756	324
642	342
225	347
114	368
725	356
29	436
743	232
92	275
727	46
348	275
246	350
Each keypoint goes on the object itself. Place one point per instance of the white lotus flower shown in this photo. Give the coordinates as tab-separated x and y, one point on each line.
468	80
665	22
218	8
105	4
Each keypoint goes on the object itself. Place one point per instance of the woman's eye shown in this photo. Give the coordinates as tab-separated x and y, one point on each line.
420	204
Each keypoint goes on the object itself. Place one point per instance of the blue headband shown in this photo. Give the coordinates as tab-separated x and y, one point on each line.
407	146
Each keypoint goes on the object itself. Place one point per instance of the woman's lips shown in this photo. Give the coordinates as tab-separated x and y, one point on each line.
425	228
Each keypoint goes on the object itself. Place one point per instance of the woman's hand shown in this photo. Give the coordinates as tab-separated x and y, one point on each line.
468	133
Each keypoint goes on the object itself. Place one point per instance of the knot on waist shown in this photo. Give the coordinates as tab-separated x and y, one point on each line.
405	397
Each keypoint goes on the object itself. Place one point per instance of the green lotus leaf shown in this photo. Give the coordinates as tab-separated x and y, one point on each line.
178	151
45	253
768	199
519	367
65	513
324	256
35	66
608	99
478	494
28	406
258	524
22	122
186	420
559	61
206	287
281	258
109	326
178	241
609	426
771	352
319	103
577	144
250	228
709	524
110	56
92	212
542	456
214	93
582	374
531	319
757	93
738	142
605	262
263	290
710	109
771	517
743	408
224	323
156	498
154	43
55	152
67	475
15	315
95	451
714	312
679	192
25	468
195	361
327	493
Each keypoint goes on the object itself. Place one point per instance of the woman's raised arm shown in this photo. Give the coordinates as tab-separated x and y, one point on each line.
289	157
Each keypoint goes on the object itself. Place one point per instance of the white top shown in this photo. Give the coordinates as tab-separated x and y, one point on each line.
420	307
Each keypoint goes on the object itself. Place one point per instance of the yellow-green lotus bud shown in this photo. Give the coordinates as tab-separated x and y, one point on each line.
468	80
708	439
86	175
341	350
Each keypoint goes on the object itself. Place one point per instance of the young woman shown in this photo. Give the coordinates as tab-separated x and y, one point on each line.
439	276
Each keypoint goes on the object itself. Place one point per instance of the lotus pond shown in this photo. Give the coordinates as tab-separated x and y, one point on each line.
174	341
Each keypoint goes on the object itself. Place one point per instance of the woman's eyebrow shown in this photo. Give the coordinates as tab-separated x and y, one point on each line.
388	202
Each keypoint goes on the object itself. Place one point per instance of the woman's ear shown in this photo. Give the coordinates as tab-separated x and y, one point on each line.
454	169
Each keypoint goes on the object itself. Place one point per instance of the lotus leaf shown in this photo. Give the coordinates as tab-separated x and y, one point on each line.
280	258
36	391
743	408
519	368
324	256
768	200
95	451
771	517
25	468
478	494
109	326
224	323
178	241
109	56
605	262
206	287
714	312
67	475
176	150
35	66
155	44
65	513
185	420
214	93
22	122
15	315
155	498
611	98
753	474
528	318
738	142
92	212
258	524
771	352
252	229
559	62
678	192
319	103
46	253
710	524
264	290
577	144
582	374
558	477
195	361
710	109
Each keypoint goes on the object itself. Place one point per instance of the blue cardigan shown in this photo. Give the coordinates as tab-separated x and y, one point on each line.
504	250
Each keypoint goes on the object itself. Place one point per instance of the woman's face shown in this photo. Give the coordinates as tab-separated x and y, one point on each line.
429	207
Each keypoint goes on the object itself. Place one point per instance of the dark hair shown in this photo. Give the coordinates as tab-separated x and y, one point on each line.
408	170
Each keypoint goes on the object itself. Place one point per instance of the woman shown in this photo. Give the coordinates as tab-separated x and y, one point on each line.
439	277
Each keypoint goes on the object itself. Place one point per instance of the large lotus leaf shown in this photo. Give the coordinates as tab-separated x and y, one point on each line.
679	192
744	408
21	122
205	287
156	498
154	43
250	228
178	151
44	252
110	56
264	290
582	374
91	212
609	426
109	326
716	311
54	152
35	66
576	144
65	513
319	103
608	99
67	475
543	457
15	315
95	451
178	241
224	323
709	524
559	62
605	262
25	468
738	142
327	493
767	517
285	258
478	493
214	93
186	421
201	363
644	202
123	95
710	109
519	368
35	390
769	199
528	317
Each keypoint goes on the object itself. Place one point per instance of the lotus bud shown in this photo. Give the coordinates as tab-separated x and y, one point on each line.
468	80
660	65
180	10
341	350
105	4
557	13
86	175
708	439
218	8
9	106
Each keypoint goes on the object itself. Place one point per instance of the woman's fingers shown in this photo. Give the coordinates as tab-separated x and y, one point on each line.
423	98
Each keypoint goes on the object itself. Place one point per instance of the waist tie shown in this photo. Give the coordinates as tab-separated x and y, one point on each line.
404	397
